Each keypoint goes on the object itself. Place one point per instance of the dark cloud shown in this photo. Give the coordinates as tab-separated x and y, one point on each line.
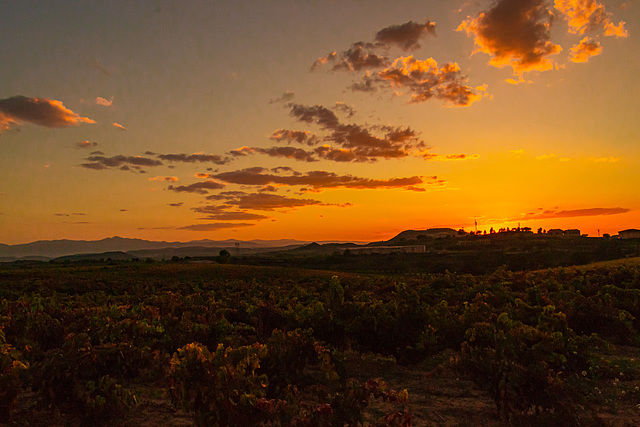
298	136
40	111
125	163
198	187
71	214
357	142
220	213
193	158
405	36
515	33
264	202
214	226
86	144
314	179
368	56
283	152
284	98
361	56
345	109
175	205
554	213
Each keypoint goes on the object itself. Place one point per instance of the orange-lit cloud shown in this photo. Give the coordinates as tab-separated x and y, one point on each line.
585	50
100	162
198	187
196	157
104	102
450	157
119	126
314	179
214	226
164	178
514	33
589	15
86	144
39	111
424	80
554	213
299	136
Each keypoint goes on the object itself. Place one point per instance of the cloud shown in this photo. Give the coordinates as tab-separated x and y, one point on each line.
554	213
405	36
585	50
367	55
450	157
99	162
198	187
214	226
219	213
39	111
314	179
284	98
514	33
175	205
424	80
104	102
164	178
265	202
360	56
284	152
605	159
119	126
86	144
546	156
298	136
96	65
358	143
589	15
196	157
345	109
71	214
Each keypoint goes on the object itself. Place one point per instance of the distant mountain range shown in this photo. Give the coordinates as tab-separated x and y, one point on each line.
48	249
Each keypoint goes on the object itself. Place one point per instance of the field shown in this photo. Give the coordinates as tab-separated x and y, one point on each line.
144	343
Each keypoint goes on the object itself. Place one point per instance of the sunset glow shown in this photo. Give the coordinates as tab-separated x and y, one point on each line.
317	121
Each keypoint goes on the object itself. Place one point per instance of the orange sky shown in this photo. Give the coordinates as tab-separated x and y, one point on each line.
316	121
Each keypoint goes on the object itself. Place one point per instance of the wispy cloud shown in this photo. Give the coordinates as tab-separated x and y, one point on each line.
514	33
100	162
555	213
195	158
86	144
215	226
164	178
104	102
119	126
39	111
219	213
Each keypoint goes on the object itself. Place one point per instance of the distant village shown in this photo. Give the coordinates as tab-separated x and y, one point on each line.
439	233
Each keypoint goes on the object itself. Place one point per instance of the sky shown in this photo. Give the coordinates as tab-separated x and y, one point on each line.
325	120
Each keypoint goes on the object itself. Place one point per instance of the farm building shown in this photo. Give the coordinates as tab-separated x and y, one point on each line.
631	233
412	249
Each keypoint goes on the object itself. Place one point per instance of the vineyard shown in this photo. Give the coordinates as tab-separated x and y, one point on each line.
136	343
